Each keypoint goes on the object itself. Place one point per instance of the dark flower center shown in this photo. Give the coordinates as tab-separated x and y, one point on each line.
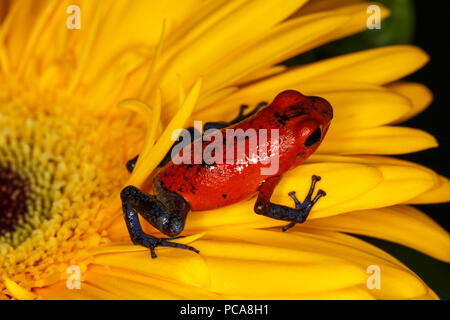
13	199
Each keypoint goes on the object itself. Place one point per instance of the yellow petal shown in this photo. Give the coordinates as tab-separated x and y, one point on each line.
23	17
123	236
205	17
287	39
364	109
172	264
137	286
430	295
212	97
140	24
228	108
17	291
225	257
400	224
375	66
163	145
401	182
312	279
323	5
419	95
350	246
440	193
256	17
37	30
233	262
240	271
256	278
356	21
351	293
111	85
261	74
152	116
356	10
381	140
87	291
397	281
312	88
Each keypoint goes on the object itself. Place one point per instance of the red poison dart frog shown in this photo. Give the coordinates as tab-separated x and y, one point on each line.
302	123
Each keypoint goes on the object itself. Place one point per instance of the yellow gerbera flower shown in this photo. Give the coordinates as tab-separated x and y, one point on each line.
64	143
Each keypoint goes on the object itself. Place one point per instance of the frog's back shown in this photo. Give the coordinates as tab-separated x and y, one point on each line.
212	184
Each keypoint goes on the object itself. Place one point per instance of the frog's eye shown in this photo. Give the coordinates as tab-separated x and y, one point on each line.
313	138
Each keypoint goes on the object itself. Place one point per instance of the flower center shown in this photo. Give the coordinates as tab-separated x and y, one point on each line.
13	198
57	178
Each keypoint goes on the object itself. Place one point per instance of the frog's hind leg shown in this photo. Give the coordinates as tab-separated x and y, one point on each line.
295	215
169	219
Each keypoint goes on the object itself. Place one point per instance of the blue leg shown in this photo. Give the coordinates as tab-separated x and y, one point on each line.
167	220
299	214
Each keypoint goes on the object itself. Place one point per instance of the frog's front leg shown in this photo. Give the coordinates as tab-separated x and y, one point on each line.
168	217
295	215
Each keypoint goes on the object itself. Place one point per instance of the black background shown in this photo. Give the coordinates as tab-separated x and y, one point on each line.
431	34
424	25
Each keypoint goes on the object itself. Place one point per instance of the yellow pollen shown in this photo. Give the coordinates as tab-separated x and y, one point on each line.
50	163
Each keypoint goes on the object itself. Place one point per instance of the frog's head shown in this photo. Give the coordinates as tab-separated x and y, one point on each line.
310	116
